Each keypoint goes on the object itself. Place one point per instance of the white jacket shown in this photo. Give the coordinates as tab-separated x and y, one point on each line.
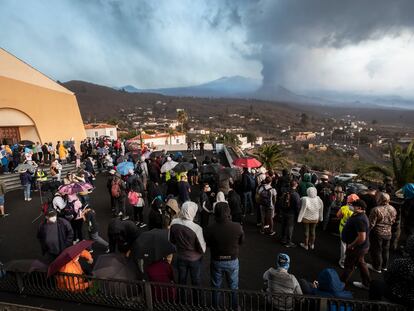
312	206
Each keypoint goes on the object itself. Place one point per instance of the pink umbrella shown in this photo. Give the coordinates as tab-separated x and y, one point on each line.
247	162
74	188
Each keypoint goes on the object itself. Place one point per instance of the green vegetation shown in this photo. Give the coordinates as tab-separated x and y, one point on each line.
182	117
271	155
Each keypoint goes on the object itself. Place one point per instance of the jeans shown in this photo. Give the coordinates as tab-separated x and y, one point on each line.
288	224
26	190
380	251
343	250
229	269
96	238
186	266
355	258
194	268
248	202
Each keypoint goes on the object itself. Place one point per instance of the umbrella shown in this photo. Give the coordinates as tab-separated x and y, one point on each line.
67	255
135	155
183	167
168	166
114	266
213	168
27	150
24	167
247	162
157	153
228	172
25	265
26	143
75	188
124	167
153	245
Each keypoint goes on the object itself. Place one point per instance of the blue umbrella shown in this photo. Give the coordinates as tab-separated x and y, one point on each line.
124	167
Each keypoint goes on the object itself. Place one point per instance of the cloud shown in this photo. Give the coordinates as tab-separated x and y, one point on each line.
145	43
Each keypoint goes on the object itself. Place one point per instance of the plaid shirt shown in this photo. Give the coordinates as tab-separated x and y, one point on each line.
381	219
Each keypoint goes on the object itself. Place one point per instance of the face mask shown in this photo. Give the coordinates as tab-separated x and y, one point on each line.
52	219
208	189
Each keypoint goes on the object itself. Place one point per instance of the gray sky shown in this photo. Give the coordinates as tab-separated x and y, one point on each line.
361	46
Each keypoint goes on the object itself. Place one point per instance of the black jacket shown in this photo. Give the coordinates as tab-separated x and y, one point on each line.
234	202
122	232
224	237
65	235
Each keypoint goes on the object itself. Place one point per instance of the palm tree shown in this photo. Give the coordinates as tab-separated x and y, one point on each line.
182	118
171	133
271	155
402	161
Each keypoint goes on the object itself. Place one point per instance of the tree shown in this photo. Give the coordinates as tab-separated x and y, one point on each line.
171	133
182	118
251	137
271	155
402	160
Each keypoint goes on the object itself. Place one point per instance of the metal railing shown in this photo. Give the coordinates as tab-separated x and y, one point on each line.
142	295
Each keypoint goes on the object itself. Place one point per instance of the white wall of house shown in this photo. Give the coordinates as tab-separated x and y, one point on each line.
95	133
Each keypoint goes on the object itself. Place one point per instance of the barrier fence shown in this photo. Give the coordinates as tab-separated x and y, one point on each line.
142	295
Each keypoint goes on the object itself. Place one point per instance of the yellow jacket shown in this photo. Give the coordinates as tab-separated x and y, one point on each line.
62	152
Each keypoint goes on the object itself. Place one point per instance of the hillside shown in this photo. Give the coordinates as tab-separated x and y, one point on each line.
101	103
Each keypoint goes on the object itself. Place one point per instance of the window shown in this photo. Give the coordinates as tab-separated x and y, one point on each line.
111	133
177	141
96	134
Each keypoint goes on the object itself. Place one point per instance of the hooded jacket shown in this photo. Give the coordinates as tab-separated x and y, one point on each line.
305	184
224	236
186	235
312	207
329	285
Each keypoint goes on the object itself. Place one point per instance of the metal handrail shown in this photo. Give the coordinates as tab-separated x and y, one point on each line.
143	295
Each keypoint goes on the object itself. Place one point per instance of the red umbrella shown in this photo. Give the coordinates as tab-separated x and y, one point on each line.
247	162
67	255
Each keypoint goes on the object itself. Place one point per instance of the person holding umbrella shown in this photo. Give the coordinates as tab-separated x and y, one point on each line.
68	262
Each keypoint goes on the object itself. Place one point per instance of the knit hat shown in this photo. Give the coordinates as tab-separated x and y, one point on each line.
283	261
352	198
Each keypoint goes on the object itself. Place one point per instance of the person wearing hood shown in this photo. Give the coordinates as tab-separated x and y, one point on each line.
343	214
279	281
305	184
310	214
188	238
206	206
224	238
327	285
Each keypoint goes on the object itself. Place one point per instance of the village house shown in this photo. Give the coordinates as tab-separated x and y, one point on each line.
95	130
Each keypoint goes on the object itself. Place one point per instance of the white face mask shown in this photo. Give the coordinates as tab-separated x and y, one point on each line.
52	219
208	189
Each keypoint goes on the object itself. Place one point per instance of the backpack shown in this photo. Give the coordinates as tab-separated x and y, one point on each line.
116	188
69	211
133	197
285	200
265	198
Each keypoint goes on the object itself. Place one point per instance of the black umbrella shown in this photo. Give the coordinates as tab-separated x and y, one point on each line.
115	266
26	143
153	246
183	167
25	265
228	172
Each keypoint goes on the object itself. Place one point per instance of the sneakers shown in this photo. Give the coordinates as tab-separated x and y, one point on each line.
143	225
384	269
272	233
341	264
304	246
360	285
312	246
107	251
290	245
125	218
29	199
370	267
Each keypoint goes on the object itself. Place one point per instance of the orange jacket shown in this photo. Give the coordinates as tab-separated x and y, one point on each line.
74	283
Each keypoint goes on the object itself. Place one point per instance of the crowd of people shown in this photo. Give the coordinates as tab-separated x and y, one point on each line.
200	204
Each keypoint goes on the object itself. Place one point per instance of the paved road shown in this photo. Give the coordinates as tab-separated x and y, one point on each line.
18	241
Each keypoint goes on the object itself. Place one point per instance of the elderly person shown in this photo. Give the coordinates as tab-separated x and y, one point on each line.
381	220
310	214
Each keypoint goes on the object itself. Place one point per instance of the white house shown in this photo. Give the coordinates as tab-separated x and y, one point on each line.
161	139
96	130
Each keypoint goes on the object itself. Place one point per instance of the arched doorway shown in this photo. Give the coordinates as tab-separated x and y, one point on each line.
15	126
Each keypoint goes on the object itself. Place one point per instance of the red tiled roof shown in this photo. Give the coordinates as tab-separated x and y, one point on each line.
98	126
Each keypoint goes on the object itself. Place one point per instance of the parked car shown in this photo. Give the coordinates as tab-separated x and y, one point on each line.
355	187
345	178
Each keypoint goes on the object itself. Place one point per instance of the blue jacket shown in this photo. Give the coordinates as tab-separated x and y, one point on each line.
25	178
